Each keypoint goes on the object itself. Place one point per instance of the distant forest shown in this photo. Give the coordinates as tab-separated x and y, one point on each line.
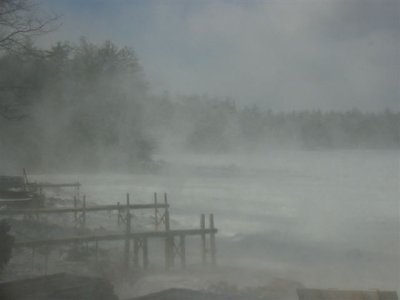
220	126
86	106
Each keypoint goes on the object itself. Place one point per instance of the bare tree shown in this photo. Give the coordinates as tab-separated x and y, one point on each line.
19	21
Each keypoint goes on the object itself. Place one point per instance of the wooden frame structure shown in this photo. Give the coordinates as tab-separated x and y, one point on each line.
174	240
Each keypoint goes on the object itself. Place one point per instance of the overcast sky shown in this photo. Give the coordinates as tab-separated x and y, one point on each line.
280	54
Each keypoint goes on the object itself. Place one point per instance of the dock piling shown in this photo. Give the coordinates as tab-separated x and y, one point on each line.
127	233
136	253
75	212
212	241
118	214
84	212
169	254
203	239
174	240
145	254
155	212
182	247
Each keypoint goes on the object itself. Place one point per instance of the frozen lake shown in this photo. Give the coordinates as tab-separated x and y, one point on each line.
325	218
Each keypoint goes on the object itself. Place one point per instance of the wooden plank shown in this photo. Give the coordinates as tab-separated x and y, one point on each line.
53	185
15	194
114	237
10	212
21	202
13	200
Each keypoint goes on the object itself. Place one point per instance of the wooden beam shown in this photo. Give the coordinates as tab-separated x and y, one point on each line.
53	185
4	201
10	212
113	237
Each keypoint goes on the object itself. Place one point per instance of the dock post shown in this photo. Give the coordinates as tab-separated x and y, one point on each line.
203	239
136	253
97	251
75	212
155	212
145	254
127	233
166	213
76	190
182	250
168	248
46	261
213	249
172	250
119	214
33	258
84	212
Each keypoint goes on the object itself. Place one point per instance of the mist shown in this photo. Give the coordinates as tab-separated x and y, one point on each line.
281	55
281	118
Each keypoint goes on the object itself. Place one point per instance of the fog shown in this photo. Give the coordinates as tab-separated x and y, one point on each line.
324	218
281	118
282	55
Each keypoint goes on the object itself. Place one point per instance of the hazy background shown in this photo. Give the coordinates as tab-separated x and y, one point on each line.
326	219
282	55
113	83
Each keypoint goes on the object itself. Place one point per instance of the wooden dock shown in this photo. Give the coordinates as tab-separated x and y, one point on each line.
174	239
18	191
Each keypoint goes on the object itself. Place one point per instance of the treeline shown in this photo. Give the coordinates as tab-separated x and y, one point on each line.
87	107
214	125
73	106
